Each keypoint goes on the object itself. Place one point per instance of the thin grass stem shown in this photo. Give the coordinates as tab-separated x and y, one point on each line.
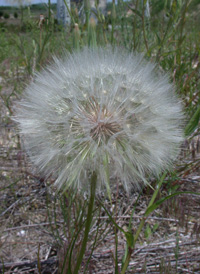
141	225
88	221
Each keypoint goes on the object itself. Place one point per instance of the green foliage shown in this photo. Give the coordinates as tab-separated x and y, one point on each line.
151	208
149	230
193	123
15	14
6	15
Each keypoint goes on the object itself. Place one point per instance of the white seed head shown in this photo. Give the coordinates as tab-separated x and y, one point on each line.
101	110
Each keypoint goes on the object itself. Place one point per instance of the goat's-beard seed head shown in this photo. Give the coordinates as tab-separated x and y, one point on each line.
104	111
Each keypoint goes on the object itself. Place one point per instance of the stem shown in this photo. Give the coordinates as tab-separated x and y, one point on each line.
88	222
182	24
93	246
143	27
113	21
49	13
87	13
92	40
22	14
126	263
76	37
134	26
116	231
116	250
157	189
130	250
69	11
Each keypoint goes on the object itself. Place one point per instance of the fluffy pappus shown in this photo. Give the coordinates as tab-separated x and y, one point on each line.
101	110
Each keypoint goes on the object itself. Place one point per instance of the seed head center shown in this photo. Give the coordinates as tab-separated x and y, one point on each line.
102	122
103	130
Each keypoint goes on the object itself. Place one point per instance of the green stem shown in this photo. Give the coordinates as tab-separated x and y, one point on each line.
76	37
69	11
92	40
113	21
134	26
182	24
116	250
126	263
157	189
87	13
130	250
22	14
88	222
143	27
49	13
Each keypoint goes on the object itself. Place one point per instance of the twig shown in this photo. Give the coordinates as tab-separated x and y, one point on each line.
31	225
51	260
10	207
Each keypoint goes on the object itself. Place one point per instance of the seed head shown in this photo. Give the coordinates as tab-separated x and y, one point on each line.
101	110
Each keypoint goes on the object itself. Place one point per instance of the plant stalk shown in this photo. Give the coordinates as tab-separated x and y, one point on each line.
88	222
113	19
143	27
141	225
